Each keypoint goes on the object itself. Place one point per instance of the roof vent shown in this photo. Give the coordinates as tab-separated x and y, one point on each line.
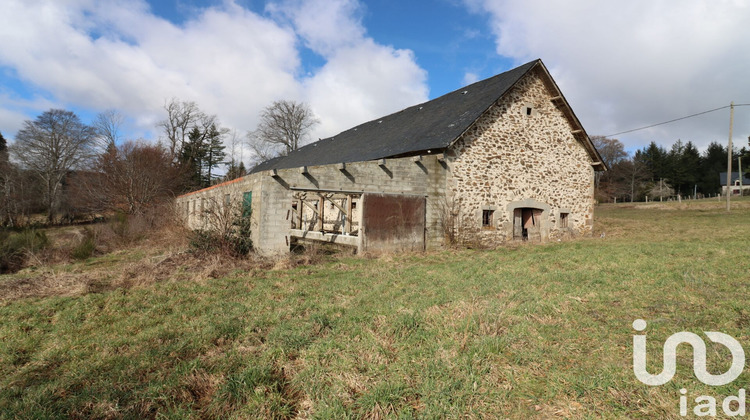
380	122
464	92
420	108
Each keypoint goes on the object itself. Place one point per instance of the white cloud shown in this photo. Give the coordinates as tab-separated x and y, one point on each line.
232	62
470	77
361	79
630	64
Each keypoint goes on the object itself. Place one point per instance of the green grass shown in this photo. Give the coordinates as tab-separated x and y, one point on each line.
519	332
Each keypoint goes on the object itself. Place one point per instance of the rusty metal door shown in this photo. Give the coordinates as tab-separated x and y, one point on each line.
392	222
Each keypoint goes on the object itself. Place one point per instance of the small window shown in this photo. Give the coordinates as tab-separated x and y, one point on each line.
563	220
487	216
528	110
354	204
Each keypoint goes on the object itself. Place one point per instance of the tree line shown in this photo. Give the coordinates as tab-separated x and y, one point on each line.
65	169
655	173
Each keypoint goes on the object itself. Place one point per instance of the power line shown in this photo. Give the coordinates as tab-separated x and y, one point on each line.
676	119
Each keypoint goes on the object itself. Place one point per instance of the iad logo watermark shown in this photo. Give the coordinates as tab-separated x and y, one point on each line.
706	405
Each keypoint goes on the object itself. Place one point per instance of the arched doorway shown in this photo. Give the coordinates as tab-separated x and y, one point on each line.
530	220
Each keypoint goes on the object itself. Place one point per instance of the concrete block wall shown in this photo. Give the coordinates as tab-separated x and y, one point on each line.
396	176
193	207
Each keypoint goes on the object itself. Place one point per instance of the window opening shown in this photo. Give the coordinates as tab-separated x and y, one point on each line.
487	218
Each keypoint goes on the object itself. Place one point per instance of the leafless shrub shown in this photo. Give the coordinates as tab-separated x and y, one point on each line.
447	210
226	229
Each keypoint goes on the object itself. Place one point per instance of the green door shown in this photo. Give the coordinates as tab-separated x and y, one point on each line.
247	203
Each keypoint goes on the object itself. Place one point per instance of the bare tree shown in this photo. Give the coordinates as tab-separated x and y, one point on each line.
182	116
611	150
613	153
131	178
283	127
108	125
55	143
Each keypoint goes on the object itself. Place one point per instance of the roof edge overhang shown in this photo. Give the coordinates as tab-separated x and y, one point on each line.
473	123
578	131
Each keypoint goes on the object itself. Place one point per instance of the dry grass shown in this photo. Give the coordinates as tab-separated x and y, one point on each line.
517	332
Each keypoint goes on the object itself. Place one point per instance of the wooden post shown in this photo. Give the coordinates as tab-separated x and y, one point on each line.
729	156
349	214
300	210
321	205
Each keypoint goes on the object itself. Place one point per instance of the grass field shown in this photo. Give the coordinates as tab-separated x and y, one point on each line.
520	332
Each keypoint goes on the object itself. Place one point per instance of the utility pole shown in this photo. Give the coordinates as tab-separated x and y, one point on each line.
739	168
729	155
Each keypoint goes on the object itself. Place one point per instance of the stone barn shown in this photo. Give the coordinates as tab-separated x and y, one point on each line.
503	159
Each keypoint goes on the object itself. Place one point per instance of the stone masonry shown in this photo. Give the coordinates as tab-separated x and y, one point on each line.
521	171
521	153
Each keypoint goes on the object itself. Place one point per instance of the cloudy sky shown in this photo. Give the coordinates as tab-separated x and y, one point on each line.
621	65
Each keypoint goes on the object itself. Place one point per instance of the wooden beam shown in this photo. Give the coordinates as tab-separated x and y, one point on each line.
343	210
349	214
303	170
342	166
300	208
321	205
417	158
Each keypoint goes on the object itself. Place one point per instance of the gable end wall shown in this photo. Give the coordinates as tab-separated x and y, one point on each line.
512	160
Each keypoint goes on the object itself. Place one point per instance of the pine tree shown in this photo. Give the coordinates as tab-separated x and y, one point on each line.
655	158
235	171
3	149
713	162
193	154
214	152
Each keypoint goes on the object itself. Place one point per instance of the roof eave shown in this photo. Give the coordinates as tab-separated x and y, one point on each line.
578	131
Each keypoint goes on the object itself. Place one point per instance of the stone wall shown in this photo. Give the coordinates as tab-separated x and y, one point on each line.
521	154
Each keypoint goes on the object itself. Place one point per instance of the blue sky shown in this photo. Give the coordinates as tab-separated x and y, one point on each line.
621	65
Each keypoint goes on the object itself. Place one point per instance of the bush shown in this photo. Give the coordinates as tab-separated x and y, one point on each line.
86	248
235	242
15	248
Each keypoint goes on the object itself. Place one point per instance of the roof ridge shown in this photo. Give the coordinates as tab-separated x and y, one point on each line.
430	125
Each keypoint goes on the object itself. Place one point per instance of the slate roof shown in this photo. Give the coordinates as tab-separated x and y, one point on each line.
432	125
735	177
